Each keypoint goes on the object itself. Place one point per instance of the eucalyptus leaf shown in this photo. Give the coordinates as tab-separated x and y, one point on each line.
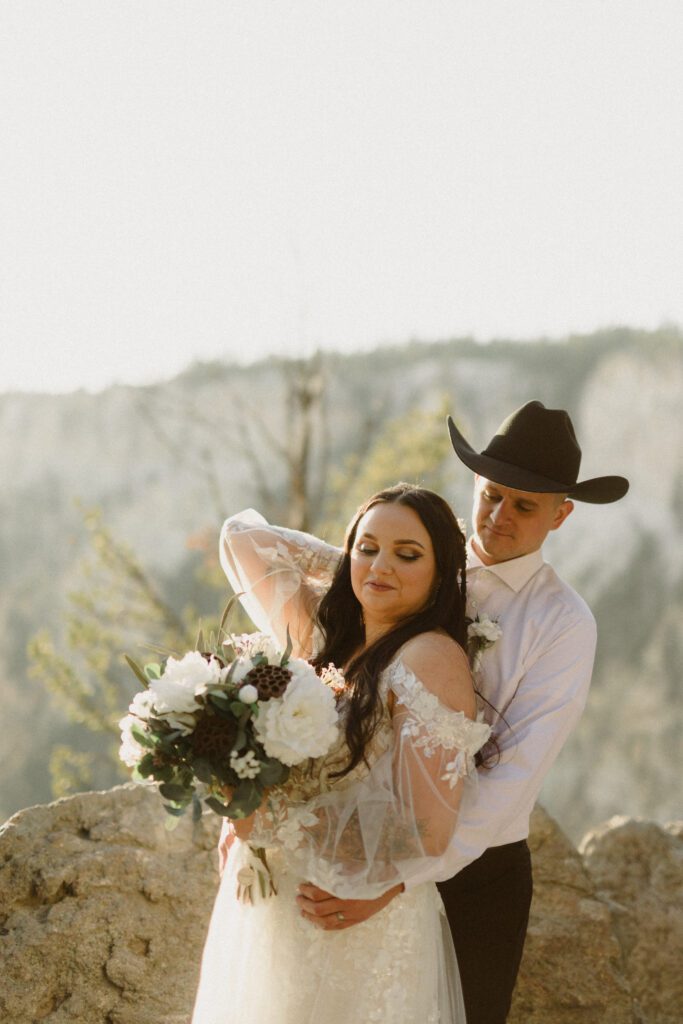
246	799
225	774
153	670
143	770
174	791
173	811
218	807
163	773
169	742
141	736
219	699
203	770
273	773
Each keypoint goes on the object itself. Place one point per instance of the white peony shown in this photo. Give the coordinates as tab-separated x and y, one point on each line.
182	682
303	722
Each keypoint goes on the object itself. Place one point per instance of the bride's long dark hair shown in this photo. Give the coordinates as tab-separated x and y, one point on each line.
340	616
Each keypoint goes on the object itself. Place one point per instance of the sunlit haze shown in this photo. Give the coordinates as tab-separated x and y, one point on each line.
227	179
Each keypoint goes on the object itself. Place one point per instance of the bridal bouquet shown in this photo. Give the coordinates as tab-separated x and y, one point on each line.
223	726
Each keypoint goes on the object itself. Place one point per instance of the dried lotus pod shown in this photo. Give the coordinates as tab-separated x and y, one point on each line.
269	680
214	736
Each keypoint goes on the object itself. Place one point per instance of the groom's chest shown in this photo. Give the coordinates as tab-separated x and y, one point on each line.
520	618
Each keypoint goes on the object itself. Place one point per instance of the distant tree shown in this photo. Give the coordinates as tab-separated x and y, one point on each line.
118	607
413	447
302	448
291	432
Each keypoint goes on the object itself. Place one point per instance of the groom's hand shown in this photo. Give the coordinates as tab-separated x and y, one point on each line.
326	911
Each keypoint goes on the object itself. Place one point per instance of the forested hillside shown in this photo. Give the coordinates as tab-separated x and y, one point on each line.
304	442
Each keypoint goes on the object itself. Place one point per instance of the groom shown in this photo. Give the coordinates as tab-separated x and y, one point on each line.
536	677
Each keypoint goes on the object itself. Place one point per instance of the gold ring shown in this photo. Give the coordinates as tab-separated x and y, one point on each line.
339	915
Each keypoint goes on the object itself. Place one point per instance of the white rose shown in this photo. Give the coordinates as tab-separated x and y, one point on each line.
142	704
182	682
302	723
131	752
485	628
248	694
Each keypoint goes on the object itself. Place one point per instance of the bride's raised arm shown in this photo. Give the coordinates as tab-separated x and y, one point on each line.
359	840
281	573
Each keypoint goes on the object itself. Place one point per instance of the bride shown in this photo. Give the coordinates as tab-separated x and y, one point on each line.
381	808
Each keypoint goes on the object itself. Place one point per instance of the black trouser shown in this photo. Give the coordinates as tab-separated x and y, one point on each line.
487	904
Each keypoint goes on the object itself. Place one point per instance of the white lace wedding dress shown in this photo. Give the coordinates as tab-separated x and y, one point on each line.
356	836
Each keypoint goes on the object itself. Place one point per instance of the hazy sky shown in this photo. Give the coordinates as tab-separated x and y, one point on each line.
212	178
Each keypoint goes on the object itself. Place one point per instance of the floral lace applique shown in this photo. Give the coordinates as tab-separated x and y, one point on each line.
391	942
434	727
315	563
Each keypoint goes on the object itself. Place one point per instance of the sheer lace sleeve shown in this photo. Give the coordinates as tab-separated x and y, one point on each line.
281	574
360	839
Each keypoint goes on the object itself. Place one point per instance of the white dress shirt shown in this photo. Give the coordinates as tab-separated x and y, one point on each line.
537	677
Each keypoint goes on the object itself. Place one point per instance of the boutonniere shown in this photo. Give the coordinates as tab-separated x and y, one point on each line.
482	632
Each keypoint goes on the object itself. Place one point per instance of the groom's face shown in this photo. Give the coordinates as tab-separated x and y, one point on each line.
510	523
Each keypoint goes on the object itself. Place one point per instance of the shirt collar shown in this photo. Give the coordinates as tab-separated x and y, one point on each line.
515	573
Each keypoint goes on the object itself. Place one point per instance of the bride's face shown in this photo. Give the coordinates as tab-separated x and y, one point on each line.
393	568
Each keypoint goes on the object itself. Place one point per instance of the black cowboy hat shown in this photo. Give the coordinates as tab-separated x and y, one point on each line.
535	449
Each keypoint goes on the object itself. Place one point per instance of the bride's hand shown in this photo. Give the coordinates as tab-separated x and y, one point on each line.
326	911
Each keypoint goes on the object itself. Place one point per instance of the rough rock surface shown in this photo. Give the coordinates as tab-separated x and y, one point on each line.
102	910
572	967
638	867
103	914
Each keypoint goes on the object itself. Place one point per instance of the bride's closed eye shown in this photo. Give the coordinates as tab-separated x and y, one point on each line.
406	556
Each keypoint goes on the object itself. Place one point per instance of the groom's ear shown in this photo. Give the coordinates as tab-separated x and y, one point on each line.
562	512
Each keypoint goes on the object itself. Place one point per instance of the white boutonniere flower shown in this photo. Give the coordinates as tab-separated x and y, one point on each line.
482	632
